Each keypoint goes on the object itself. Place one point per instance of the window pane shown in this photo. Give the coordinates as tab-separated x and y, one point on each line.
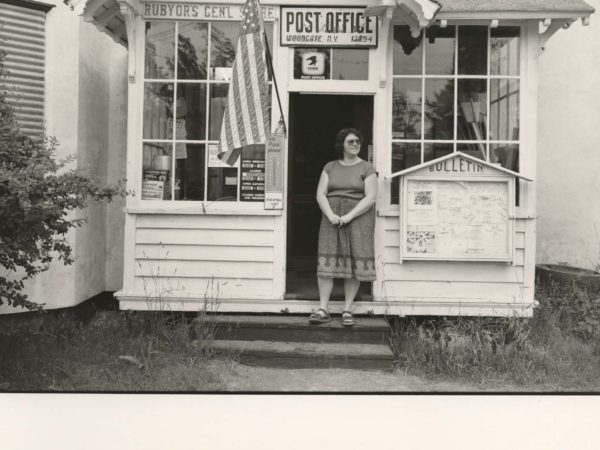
269	33
440	43
506	155
189	171
504	110
156	176
439	109
218	100
472	110
158	111
404	155
505	50
191	108
406	109
223	42
160	50
350	64
476	149
435	151
472	50
222	183
192	51
408	52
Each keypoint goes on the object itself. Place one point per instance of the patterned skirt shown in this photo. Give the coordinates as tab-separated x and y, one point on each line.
347	251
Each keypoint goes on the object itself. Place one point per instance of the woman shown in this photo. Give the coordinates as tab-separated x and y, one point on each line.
346	193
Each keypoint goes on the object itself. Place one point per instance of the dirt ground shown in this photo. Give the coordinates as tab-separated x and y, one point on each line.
239	377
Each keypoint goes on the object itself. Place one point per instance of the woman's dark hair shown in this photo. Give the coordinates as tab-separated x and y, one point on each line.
338	146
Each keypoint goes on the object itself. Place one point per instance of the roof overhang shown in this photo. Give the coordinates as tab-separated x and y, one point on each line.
419	14
111	16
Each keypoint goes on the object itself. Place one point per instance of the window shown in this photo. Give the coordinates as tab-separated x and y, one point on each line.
331	63
22	42
455	89
187	70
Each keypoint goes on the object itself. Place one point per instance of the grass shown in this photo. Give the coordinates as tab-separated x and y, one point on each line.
557	349
115	351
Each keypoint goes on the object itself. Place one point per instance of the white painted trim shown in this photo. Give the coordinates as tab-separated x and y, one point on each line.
134	124
442	307
529	144
381	132
511	15
455	155
216	209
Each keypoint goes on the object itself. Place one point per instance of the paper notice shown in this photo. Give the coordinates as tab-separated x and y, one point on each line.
213	159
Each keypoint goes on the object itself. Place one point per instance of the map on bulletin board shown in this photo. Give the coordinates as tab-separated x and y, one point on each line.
457	219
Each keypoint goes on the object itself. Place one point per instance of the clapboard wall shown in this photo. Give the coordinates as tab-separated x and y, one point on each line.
449	284
203	256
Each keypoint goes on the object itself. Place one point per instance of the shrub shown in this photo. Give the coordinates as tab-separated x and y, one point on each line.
37	195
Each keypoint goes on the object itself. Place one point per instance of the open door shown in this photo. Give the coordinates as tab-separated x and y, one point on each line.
315	120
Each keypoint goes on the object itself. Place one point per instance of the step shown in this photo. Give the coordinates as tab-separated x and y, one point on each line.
307	354
366	330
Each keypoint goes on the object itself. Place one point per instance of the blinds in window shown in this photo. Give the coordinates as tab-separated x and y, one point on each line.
22	38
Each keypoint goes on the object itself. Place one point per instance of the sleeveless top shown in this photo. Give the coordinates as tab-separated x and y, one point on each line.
347	181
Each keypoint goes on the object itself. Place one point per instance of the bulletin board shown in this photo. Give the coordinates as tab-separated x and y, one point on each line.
457	218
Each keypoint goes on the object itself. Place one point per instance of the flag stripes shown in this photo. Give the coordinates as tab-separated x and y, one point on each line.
246	118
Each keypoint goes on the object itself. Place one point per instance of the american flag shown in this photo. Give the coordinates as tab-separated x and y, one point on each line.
246	116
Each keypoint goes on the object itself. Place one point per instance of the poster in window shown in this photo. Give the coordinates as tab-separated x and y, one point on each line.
252	186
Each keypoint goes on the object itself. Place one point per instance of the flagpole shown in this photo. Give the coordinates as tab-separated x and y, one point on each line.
270	65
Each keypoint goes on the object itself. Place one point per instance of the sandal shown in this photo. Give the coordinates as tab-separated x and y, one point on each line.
347	319
320	316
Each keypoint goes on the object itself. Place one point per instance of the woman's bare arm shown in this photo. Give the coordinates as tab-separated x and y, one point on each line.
365	204
323	201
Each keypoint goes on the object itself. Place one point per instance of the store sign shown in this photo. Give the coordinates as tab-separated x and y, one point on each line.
327	27
194	11
274	171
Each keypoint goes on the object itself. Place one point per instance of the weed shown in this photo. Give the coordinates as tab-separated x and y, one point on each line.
557	347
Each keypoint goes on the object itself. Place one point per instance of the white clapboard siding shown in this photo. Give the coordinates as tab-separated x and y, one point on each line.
458	280
450	290
189	255
205	222
181	236
22	39
200	288
468	271
192	269
204	252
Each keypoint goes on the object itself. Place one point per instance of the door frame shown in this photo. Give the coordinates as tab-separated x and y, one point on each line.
288	162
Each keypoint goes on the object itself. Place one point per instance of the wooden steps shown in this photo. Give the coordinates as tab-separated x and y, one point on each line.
291	342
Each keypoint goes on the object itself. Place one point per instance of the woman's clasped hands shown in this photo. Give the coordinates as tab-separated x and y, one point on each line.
339	221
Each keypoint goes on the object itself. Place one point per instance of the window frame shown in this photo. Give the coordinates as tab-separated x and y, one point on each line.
155	205
455	77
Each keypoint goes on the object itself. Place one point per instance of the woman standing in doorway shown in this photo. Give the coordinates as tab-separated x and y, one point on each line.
346	193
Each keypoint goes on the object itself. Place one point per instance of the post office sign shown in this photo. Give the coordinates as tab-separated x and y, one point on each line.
327	27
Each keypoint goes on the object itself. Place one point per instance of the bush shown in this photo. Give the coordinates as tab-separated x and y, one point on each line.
37	194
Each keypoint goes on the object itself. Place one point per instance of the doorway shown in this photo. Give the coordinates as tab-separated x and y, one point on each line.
314	122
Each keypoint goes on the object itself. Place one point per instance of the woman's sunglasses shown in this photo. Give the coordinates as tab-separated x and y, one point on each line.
353	142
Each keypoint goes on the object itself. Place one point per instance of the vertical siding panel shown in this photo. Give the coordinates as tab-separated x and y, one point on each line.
22	39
